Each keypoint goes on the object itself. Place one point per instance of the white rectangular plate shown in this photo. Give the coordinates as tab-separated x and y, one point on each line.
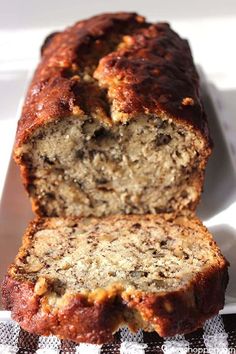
217	208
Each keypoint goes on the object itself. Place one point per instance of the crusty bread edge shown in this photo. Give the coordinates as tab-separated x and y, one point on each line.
178	312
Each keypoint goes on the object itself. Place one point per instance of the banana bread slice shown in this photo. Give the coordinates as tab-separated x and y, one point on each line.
82	279
113	122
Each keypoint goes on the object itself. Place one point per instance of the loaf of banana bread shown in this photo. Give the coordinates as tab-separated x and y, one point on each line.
82	279
113	121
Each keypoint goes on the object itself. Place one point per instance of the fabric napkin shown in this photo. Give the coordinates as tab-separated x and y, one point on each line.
218	336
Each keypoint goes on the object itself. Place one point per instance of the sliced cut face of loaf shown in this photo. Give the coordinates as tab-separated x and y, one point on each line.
82	279
113	121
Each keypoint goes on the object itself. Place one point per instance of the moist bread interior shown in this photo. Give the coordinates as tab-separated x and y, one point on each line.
149	255
85	167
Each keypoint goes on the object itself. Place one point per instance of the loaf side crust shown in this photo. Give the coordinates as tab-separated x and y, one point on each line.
168	314
79	319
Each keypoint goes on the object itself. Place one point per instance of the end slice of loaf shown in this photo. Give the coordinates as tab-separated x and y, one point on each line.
82	279
113	122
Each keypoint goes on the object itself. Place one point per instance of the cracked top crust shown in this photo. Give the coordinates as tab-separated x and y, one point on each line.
114	67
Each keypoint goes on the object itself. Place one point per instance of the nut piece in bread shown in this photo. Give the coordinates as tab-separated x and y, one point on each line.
82	279
113	121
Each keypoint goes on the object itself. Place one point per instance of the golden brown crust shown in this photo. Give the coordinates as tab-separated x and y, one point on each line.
79	321
134	67
83	320
170	314
153	72
58	88
185	310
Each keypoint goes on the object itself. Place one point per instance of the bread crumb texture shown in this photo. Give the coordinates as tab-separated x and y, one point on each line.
83	167
143	255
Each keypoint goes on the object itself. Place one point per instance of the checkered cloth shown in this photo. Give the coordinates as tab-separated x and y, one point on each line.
218	336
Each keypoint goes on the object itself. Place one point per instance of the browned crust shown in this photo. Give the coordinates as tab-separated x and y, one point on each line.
180	311
137	68
190	306
79	321
96	323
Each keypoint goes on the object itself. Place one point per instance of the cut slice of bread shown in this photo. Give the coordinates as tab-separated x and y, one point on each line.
83	278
